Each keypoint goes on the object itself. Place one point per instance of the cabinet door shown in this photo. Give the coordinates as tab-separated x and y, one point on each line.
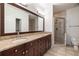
29	49
47	42
41	46
0	54
35	47
50	41
43	42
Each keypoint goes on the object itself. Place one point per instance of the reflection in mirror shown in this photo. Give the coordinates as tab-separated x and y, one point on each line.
40	24
18	27
35	23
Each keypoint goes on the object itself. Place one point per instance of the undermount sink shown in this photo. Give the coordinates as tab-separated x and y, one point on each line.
18	40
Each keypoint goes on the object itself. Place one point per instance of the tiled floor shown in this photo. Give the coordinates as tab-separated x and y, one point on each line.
61	50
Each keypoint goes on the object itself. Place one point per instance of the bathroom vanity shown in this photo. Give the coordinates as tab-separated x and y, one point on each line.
14	41
33	44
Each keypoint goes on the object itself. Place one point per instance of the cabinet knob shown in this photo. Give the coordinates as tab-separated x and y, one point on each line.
16	50
23	53
26	51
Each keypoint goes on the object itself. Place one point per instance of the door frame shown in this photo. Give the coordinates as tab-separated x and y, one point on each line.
64	27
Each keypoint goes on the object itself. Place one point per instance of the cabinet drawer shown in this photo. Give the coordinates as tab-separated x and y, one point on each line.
13	51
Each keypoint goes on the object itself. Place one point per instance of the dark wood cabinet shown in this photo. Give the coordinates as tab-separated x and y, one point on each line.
7	52
33	48
15	51
29	49
0	54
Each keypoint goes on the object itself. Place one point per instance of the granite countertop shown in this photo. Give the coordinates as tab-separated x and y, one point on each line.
12	41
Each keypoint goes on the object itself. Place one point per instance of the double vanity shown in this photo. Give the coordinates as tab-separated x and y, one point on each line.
31	44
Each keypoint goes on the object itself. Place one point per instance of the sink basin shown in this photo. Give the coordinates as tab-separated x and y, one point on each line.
18	40
24	37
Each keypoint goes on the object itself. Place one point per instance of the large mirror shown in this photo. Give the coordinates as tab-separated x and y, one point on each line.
22	22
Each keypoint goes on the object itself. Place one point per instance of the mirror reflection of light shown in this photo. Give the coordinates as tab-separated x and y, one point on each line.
58	3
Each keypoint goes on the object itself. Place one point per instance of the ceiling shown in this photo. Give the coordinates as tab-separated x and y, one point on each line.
40	7
63	6
36	5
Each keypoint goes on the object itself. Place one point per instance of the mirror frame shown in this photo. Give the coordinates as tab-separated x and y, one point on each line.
3	17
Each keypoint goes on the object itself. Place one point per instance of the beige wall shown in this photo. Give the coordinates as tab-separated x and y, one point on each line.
60	14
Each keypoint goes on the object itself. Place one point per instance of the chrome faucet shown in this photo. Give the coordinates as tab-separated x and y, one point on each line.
18	35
